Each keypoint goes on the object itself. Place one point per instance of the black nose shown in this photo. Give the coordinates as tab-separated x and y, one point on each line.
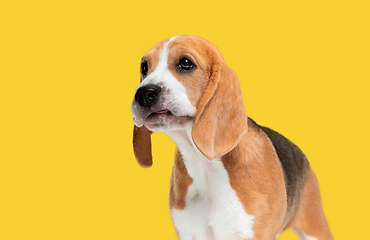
147	96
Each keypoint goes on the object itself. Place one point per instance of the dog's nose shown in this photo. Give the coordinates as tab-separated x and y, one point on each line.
147	96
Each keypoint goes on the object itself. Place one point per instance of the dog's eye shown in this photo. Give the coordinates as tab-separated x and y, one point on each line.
186	64
144	68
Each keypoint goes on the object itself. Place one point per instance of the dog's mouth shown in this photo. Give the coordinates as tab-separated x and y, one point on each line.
159	116
163	111
165	119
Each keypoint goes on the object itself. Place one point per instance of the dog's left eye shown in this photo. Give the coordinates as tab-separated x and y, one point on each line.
144	68
186	64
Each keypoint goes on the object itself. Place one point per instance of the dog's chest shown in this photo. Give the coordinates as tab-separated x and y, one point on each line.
212	208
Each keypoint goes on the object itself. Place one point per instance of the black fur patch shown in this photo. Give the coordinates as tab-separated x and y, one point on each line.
293	161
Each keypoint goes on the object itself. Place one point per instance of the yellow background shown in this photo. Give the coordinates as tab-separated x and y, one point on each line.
68	74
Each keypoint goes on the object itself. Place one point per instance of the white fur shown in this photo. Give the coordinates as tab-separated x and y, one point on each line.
302	235
213	209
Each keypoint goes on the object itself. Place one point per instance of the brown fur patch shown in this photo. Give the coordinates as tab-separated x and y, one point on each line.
180	182
221	123
143	146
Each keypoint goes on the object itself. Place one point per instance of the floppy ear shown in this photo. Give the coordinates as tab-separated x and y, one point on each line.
220	121
143	146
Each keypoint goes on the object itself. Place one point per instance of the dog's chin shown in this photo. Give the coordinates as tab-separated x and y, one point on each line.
164	120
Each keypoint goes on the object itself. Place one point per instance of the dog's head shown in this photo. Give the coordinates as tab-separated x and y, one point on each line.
186	82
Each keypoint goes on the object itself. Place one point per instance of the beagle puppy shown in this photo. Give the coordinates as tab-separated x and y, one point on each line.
231	179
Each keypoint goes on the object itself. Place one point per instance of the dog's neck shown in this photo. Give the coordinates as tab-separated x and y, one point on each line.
206	174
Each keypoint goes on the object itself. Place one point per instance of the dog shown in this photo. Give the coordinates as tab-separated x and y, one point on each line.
231	179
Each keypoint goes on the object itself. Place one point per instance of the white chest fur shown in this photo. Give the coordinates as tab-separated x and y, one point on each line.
212	208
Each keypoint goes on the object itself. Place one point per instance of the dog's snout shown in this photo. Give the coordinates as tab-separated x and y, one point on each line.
147	96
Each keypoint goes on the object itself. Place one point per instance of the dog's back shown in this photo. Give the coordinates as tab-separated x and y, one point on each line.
304	212
294	164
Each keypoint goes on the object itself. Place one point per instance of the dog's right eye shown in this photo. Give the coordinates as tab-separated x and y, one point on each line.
186	64
144	68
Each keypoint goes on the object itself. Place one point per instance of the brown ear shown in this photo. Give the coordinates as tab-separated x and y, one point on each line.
143	146
220	121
